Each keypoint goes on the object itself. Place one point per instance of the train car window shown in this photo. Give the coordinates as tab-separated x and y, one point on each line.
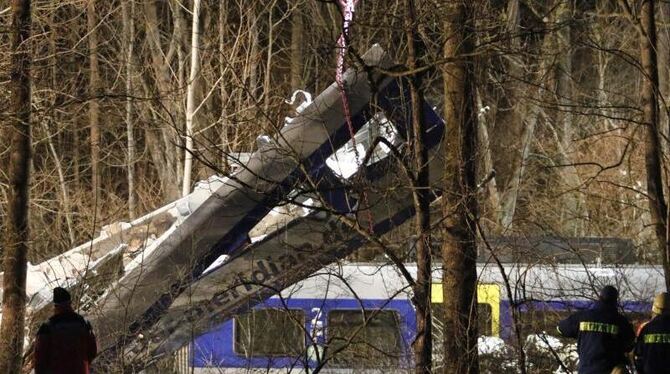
353	343
270	332
484	315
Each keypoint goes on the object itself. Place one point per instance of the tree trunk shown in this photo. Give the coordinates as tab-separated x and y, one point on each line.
128	14
423	343
664	67
167	162
52	121
16	236
493	195
179	33
190	98
297	39
459	251
267	78
507	130
94	105
67	210
573	206
652	156
511	195
513	133
223	89
254	54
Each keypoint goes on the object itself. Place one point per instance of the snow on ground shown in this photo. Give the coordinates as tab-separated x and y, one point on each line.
489	345
544	342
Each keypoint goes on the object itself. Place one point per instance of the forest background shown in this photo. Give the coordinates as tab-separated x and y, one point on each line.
559	87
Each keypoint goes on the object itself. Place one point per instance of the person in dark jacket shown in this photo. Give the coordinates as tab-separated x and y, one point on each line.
652	351
604	336
65	344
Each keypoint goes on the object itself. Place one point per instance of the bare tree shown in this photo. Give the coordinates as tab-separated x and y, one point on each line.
94	102
297	41
161	137
653	149
128	10
646	26
190	98
223	90
459	251
16	227
423	343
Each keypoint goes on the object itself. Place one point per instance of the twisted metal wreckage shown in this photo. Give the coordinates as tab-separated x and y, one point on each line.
151	285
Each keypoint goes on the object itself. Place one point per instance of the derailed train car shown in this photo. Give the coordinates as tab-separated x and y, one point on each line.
360	316
167	290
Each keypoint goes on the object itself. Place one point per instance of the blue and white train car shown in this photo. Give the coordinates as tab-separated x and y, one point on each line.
358	317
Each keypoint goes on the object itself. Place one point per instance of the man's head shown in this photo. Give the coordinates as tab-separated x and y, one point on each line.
61	296
661	304
609	295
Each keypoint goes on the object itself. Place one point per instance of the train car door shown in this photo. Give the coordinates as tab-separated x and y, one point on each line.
488	307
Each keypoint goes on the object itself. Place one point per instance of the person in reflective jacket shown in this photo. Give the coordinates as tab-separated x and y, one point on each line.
65	344
604	336
652	351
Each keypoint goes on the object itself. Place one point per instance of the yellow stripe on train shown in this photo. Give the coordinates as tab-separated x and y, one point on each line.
486	294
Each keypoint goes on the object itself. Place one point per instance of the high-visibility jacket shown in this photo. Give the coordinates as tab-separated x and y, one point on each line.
65	345
652	350
604	336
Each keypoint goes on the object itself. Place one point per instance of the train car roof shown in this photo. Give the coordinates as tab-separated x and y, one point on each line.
526	281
